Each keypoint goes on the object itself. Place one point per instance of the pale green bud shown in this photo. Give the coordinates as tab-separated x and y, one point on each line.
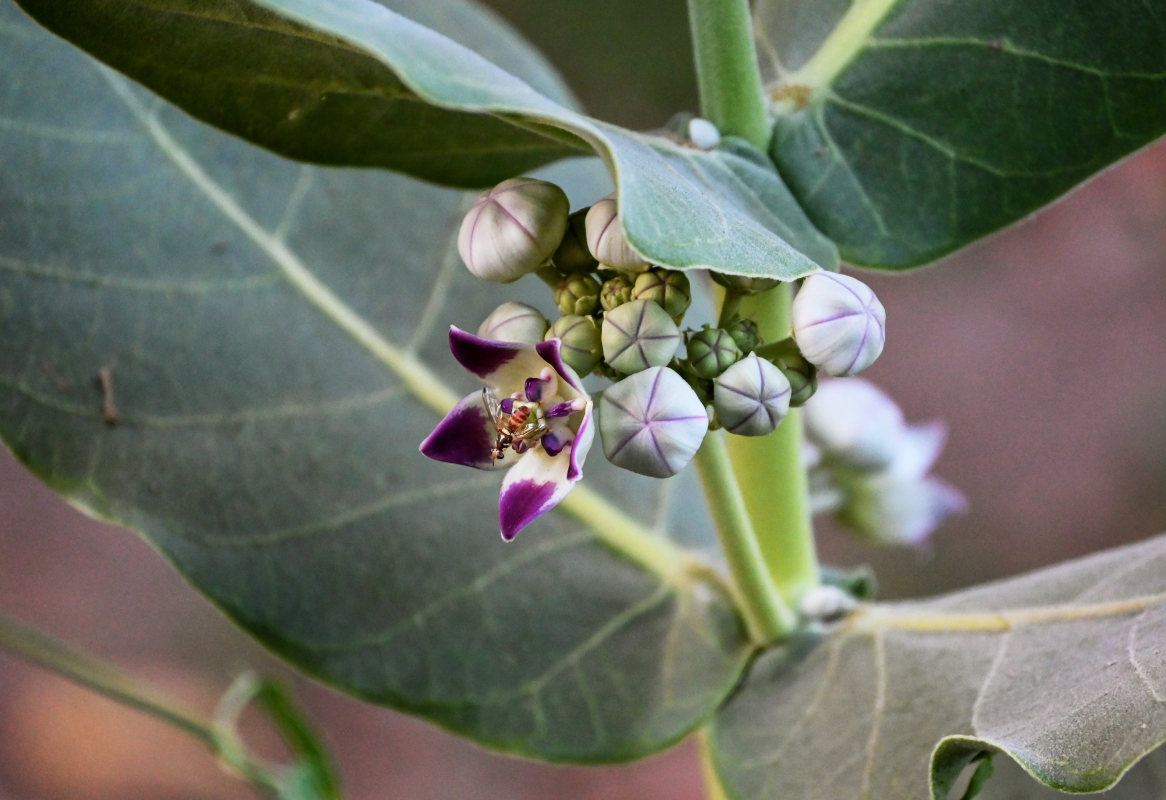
579	345
512	229
742	284
606	240
652	422
577	294
711	351
514	322
751	397
838	323
615	292
668	288
572	255
639	335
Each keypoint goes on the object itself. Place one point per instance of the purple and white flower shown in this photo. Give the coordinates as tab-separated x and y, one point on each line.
533	416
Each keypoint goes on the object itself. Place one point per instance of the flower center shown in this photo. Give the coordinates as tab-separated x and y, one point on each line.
536	415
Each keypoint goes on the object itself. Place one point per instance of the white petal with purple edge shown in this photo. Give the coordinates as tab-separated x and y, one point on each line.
537	484
503	365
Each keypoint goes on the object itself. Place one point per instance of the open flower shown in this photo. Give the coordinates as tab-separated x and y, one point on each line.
533	416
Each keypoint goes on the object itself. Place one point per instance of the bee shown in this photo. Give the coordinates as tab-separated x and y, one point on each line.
517	428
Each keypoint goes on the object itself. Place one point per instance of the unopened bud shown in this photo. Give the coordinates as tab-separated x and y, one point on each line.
744	332
652	422
579	342
802	377
577	294
638	335
512	229
615	292
744	285
668	288
572	255
514	322
751	397
606	240
839	324
711	351
703	133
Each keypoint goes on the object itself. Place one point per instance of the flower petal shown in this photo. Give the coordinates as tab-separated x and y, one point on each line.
503	365
584	435
549	352
466	437
537	484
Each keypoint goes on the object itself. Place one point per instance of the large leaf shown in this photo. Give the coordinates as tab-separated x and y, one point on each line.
909	128
353	82
1064	670
230	353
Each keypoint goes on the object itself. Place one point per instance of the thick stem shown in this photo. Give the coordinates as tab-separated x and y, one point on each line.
731	95
772	478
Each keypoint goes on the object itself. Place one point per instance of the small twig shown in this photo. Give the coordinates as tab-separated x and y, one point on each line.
108	406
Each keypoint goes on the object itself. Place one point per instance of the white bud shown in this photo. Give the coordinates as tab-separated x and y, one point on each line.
513	229
751	397
838	323
853	422
703	133
826	603
606	241
638	335
652	422
514	322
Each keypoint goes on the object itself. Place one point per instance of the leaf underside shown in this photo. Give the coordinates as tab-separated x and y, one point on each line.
227	352
1064	670
950	120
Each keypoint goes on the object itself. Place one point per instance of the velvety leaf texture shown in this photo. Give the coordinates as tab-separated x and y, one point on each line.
305	77
1064	670
913	127
228	352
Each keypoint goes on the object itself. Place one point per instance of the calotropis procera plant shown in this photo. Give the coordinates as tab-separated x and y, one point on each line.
273	338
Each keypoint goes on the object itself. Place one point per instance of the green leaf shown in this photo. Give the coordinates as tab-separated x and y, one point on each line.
237	356
909	128
681	207
1064	670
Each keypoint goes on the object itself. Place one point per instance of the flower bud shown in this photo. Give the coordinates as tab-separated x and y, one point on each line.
744	332
638	335
751	397
572	255
802	377
579	342
853	422
711	351
577	294
615	292
512	229
652	423
743	284
668	288
514	322
839	324
703	133
606	240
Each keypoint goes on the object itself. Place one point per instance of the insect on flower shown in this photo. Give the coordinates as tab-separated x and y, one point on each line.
518	422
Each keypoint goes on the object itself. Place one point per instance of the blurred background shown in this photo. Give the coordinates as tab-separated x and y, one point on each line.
1043	348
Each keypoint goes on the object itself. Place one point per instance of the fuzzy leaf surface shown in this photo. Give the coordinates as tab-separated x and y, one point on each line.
236	356
908	128
1063	670
355	82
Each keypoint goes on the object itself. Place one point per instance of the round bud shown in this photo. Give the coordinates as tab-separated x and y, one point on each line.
512	229
638	335
572	255
606	241
652	423
838	323
579	342
853	422
615	292
668	288
744	332
711	351
751	397
742	284
514	322
703	133
801	374
577	294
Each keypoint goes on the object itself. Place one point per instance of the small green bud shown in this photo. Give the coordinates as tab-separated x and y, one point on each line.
572	255
615	292
512	229
652	422
751	397
606	240
579	342
577	294
667	288
514	322
711	351
639	335
744	285
802	377
744	332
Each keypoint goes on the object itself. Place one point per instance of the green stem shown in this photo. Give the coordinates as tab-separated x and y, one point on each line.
731	95
767	615
773	480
